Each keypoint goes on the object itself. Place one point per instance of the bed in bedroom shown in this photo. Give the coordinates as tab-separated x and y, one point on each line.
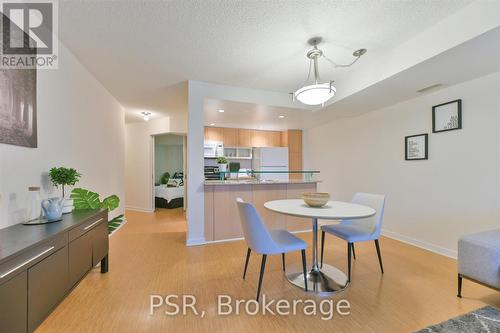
169	197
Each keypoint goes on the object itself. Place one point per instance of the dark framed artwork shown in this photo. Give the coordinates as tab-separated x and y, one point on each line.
447	116
18	109
416	147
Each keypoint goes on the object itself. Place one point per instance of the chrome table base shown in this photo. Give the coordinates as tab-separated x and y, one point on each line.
328	280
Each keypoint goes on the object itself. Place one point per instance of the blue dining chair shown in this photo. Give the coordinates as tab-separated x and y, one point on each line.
267	242
359	230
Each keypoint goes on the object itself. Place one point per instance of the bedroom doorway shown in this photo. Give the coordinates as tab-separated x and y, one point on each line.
169	162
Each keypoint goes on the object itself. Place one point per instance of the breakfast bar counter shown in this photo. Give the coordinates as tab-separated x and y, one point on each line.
222	220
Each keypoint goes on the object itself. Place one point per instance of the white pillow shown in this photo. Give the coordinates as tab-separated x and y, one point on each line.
172	183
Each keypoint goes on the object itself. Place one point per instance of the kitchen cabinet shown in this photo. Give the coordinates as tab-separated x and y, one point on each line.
222	221
214	134
267	192
245	138
295	141
227	224
295	164
266	138
274	138
284	139
230	137
259	139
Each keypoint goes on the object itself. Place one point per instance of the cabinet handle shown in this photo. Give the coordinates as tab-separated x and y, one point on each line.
93	224
26	262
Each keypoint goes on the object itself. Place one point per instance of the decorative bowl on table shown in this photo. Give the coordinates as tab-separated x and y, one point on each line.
316	199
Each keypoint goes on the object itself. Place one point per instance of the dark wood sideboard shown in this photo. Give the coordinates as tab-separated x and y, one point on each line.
41	264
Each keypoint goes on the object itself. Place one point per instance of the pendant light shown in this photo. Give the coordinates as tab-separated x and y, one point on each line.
319	93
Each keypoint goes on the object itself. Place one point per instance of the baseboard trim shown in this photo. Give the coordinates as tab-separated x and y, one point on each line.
423	245
138	209
203	241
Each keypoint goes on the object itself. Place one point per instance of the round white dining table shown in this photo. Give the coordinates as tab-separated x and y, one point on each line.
327	279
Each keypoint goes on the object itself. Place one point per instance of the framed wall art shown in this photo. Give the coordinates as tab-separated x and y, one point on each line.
416	147
447	116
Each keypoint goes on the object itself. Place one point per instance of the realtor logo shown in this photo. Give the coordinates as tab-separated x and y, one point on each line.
29	34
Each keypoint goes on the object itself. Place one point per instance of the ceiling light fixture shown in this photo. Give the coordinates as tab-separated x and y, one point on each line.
212	124
221	111
319	93
281	117
146	115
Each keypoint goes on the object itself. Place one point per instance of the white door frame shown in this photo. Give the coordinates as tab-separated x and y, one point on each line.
184	165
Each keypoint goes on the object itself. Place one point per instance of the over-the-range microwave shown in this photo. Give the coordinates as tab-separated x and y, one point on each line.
213	149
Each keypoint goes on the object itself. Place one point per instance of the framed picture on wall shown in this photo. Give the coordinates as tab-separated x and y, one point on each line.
447	116
416	147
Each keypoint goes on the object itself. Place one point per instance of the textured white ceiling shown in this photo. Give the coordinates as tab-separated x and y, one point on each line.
474	58
142	51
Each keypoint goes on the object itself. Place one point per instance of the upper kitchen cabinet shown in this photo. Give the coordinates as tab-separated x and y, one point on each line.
274	138
240	137
230	137
214	134
294	140
245	138
266	138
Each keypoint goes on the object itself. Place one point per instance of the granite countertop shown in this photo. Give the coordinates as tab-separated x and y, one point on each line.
259	182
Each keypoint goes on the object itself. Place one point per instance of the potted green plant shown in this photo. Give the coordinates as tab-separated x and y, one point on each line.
222	163
65	177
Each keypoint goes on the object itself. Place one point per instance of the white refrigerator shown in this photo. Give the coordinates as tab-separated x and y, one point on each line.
270	159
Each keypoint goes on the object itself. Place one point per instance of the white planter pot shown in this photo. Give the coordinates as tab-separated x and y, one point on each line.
68	206
223	168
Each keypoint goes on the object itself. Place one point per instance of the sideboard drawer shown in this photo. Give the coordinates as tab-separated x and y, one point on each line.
80	258
47	285
30	257
86	227
14	304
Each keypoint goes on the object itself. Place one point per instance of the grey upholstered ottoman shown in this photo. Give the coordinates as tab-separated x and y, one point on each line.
479	259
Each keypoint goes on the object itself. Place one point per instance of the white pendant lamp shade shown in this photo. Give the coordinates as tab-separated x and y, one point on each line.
315	94
319	93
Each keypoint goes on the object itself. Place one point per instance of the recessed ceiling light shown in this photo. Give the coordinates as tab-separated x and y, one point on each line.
282	116
221	110
146	115
212	124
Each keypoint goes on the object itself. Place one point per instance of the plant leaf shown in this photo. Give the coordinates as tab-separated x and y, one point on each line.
111	202
85	199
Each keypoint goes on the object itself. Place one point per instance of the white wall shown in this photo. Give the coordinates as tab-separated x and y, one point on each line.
168	158
138	158
429	203
80	125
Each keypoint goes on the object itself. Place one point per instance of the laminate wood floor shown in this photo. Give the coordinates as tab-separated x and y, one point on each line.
148	256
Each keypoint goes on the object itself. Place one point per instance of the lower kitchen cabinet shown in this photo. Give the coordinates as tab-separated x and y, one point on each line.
13	304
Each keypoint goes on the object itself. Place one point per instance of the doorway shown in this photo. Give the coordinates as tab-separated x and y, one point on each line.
169	170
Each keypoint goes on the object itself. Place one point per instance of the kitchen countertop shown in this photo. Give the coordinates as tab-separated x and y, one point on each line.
259	182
